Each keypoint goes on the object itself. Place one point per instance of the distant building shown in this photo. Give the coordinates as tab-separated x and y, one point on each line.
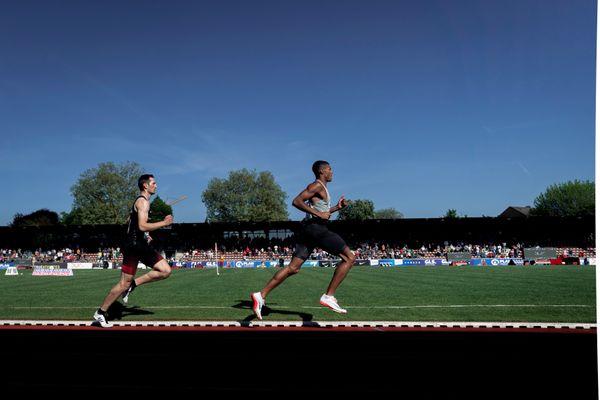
516	212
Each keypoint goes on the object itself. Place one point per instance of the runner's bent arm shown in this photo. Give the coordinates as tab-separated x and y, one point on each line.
307	194
143	207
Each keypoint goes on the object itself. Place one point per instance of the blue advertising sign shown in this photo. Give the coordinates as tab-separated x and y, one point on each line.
495	262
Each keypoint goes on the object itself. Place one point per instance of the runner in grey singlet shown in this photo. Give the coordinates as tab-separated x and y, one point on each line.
320	205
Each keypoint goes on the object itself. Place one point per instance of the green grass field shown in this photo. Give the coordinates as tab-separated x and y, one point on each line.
559	294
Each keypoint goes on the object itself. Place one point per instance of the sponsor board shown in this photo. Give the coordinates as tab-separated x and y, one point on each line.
239	264
494	262
420	261
539	253
311	263
328	263
413	261
459	263
246	264
187	264
43	271
436	261
80	265
462	256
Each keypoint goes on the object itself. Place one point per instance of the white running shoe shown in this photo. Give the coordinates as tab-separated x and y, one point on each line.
101	319
331	302
257	304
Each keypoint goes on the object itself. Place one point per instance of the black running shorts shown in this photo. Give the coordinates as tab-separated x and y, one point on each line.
142	252
317	234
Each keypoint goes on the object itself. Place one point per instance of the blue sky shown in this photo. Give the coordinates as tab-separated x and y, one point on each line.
422	106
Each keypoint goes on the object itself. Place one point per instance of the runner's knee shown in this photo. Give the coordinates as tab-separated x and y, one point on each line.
163	268
294	266
165	274
293	270
349	256
125	282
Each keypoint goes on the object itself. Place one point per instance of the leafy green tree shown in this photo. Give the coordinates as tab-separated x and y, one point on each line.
357	210
42	217
159	210
388	213
246	196
451	213
570	199
69	218
104	195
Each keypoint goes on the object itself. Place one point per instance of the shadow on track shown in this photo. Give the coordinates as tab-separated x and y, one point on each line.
268	310
117	311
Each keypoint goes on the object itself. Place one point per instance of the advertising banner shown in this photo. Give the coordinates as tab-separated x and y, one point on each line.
413	261
539	253
44	270
495	262
80	265
459	256
311	263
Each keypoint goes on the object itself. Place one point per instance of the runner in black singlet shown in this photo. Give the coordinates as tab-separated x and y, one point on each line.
136	249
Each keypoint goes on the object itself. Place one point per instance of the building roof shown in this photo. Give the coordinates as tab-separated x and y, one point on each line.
515	211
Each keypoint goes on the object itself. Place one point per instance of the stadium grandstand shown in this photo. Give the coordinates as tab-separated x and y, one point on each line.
566	240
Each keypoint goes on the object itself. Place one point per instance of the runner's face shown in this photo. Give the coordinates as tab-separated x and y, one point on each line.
151	186
328	173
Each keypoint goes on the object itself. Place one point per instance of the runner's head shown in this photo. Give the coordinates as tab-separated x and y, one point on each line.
145	180
318	167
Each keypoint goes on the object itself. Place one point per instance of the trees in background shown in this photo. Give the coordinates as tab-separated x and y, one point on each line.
104	195
569	199
245	196
388	213
360	210
451	213
42	217
357	210
159	210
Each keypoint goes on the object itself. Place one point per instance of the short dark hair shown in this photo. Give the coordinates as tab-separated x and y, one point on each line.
318	166
144	179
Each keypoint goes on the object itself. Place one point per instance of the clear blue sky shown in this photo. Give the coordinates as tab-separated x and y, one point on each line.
421	105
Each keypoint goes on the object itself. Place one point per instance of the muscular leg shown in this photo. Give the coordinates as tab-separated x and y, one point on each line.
341	270
117	290
291	269
161	270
